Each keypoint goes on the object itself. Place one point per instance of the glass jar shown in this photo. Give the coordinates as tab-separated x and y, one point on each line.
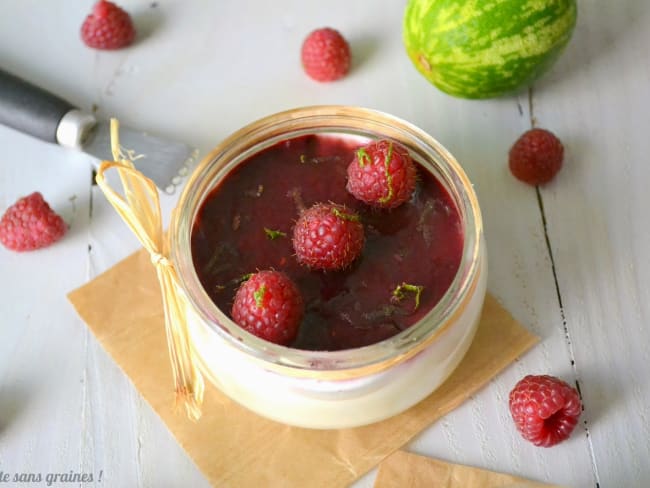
332	389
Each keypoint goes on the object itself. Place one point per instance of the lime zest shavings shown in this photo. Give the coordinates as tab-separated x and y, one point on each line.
243	278
363	157
352	217
389	176
259	296
274	234
400	292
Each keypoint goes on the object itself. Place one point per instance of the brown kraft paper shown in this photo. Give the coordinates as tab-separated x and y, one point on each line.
235	447
408	470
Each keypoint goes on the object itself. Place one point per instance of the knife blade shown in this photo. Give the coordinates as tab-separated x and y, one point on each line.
41	114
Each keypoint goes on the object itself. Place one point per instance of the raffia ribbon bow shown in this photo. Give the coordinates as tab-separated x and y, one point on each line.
140	209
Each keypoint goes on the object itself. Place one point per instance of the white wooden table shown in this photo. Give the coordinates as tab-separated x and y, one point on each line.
571	261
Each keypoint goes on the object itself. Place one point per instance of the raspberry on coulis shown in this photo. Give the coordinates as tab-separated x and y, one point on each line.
325	55
269	305
30	224
107	27
545	409
536	157
328	236
382	174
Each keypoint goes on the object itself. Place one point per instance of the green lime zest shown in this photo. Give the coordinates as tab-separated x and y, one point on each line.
389	177
274	234
245	277
363	157
259	296
303	158
400	292
352	217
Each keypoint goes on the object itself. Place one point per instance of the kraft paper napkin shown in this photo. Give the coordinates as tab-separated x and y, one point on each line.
233	446
408	470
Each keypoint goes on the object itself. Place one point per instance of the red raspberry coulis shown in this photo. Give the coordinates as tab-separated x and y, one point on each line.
239	229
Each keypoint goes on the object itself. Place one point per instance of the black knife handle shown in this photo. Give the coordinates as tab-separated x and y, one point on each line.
30	109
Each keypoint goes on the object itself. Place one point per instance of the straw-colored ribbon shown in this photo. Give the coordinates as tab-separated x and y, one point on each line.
140	209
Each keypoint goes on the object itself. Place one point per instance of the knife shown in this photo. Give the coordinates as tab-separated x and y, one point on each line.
34	111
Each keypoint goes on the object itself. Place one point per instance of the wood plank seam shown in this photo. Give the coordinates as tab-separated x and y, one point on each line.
567	335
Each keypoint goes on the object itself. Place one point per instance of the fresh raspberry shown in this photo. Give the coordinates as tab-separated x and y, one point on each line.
536	157
382	174
30	224
107	27
325	55
328	236
269	305
545	409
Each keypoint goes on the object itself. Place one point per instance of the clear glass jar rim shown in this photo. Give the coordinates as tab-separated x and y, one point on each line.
314	118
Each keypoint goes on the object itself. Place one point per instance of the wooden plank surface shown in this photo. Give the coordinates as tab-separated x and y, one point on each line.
201	70
598	227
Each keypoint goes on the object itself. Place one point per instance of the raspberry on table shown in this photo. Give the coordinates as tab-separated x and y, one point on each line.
107	27
536	157
269	306
328	236
30	224
545	409
325	55
382	174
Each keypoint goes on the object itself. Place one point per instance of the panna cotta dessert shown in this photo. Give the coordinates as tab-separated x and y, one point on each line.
371	332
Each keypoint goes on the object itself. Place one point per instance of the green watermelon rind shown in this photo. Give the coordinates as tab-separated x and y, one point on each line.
486	48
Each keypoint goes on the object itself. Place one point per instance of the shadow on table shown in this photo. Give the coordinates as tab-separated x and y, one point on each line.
148	20
363	48
601	32
599	396
13	401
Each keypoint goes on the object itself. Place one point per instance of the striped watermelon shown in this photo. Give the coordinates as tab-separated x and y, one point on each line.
485	48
